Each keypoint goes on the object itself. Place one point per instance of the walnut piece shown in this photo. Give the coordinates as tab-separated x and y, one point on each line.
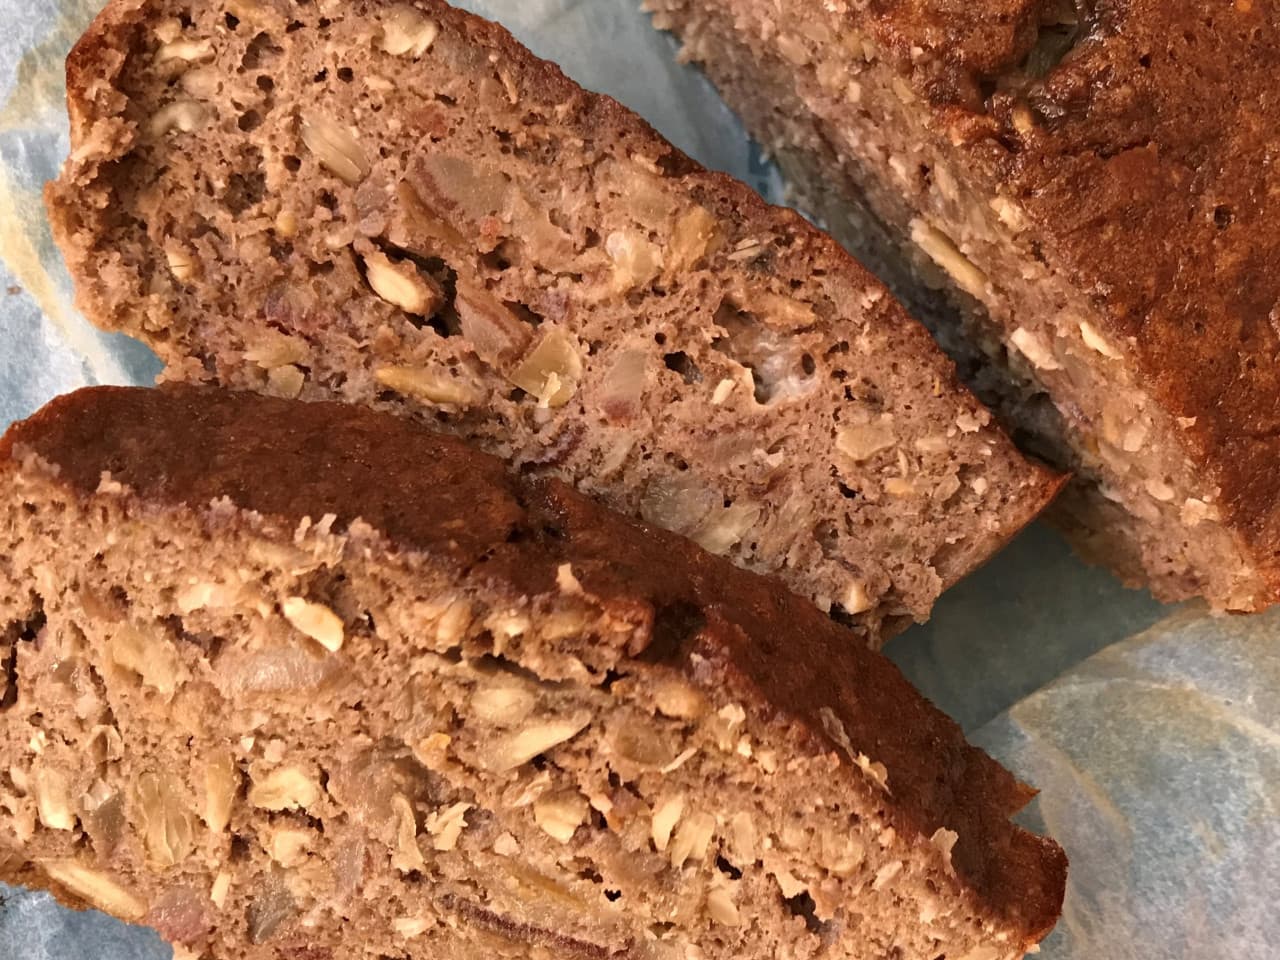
286	788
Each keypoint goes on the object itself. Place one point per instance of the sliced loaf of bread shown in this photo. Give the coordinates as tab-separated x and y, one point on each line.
396	204
303	680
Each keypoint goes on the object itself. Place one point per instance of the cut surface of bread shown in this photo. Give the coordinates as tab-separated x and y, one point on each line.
1088	191
297	679
397	205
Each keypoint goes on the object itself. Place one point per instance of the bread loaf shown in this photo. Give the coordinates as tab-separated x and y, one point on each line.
297	679
1089	188
397	205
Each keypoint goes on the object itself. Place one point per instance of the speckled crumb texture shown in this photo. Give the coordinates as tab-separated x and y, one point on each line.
292	680
1075	197
397	205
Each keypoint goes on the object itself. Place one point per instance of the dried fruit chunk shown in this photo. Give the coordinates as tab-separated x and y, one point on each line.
560	814
287	788
150	655
163	818
316	621
495	333
552	371
518	748
95	887
636	261
406	32
335	147
434	386
691	240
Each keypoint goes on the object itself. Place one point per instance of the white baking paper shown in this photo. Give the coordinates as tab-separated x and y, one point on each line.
1154	858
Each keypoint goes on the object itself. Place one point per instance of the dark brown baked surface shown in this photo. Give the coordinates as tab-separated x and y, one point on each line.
140	467
725	369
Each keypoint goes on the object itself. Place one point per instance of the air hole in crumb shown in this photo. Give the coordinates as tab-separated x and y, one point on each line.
802	905
447	100
292	164
847	491
231	20
727	868
660	339
266	84
675	625
346	74
682	364
249	121
322	75
327	200
808	366
613	896
1223	216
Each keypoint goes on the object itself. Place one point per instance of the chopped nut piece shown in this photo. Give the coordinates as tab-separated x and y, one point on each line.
721	908
165	823
288	846
1159	490
406	32
401	284
692	839
182	115
1096	341
503	705
53	800
286	382
885	875
944	252
409	927
945	841
679	700
434	386
408	855
861	443
1032	346
551	372
560	814
447	825
316	621
742	837
95	887
286	224
221	784
722	530
181	263
521	747
856	598
722	391
190	51
335	148
665	817
287	788
221	887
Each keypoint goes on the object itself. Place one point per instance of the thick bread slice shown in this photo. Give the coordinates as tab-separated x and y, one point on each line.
299	679
1092	190
398	205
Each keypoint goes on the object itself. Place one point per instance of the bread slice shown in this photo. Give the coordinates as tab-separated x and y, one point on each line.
1090	192
292	679
398	205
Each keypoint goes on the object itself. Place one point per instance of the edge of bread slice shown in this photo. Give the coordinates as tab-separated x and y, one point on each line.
305	677
398	205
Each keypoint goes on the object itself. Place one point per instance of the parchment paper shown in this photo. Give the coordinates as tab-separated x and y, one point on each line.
1157	756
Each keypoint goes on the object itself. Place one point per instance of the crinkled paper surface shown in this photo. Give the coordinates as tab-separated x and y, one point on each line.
1158	757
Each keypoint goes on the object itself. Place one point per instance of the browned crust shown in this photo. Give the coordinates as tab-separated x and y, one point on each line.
434	496
95	63
1148	173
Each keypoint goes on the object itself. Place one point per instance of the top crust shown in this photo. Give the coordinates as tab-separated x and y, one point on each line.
1145	161
435	497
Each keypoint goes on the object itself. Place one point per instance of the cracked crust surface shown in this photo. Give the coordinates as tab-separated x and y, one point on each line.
253	197
377	697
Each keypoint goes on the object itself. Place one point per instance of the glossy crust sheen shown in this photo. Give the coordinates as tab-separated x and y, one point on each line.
432	494
1149	170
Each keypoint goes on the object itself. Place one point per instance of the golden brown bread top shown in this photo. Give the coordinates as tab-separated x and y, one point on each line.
1148	171
435	497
